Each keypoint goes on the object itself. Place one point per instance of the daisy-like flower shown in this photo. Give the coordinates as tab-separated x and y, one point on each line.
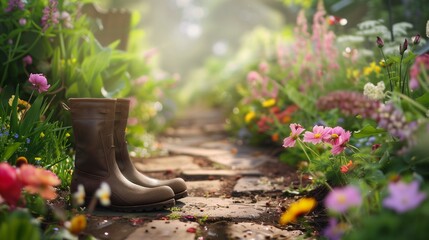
76	225
39	82
343	139
79	196
296	130
317	136
403	197
103	194
341	199
333	135
297	209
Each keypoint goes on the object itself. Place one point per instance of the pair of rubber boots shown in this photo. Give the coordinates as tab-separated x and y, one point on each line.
102	156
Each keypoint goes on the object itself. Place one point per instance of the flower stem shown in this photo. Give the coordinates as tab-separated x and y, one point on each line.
387	69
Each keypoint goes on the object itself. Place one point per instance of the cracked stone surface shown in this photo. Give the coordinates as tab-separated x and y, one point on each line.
221	208
257	185
236	161
165	230
248	230
180	162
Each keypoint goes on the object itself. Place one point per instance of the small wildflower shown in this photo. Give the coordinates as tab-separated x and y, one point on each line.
27	140
67	135
103	194
296	130
20	161
269	103
344	138
318	134
22	21
249	116
335	230
38	158
79	196
16	135
297	209
50	15
27	60
416	39
39	82
345	168
374	92
372	68
275	137
42	135
341	199
380	42
77	224
403	197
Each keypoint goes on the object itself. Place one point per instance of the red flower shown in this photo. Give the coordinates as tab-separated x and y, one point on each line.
10	186
347	167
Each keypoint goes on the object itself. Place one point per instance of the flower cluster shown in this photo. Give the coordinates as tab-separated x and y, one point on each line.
349	103
393	120
337	137
29	178
375	92
421	63
12	4
50	15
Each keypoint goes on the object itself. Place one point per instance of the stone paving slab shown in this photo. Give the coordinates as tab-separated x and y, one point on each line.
192	140
240	161
248	230
204	174
221	208
165	230
195	151
209	186
179	162
257	185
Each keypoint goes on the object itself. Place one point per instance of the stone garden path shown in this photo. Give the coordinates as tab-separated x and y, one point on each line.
233	193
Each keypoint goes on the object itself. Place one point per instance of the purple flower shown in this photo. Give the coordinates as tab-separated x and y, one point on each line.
403	47
22	21
334	230
341	199
403	197
12	4
27	60
380	42
50	15
39	82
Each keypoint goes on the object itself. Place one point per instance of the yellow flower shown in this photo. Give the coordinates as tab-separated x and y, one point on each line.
42	135
373	67
299	208
79	196
269	103
103	194
67	134
20	161
76	225
249	116
37	158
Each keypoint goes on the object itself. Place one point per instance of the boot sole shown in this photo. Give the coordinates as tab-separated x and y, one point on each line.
144	208
181	195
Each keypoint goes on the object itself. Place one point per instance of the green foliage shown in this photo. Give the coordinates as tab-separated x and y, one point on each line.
19	224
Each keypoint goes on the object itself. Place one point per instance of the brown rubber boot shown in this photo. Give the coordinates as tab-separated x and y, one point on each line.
93	122
124	162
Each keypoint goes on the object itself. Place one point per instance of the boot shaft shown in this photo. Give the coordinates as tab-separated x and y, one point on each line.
93	124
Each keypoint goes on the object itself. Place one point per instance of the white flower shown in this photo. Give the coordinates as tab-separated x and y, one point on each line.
374	92
79	196
103	193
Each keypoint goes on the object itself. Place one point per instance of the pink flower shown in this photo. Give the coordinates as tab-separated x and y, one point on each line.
296	130
253	77
342	143
341	199
333	135
22	21
10	186
39	181
403	197
27	60
39	82
50	15
318	134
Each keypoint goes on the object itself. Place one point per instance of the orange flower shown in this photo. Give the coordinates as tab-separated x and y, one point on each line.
297	209
39	181
347	167
20	161
275	137
76	225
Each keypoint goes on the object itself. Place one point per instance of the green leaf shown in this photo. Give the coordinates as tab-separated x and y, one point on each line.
304	102
94	65
424	99
19	225
368	131
10	150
